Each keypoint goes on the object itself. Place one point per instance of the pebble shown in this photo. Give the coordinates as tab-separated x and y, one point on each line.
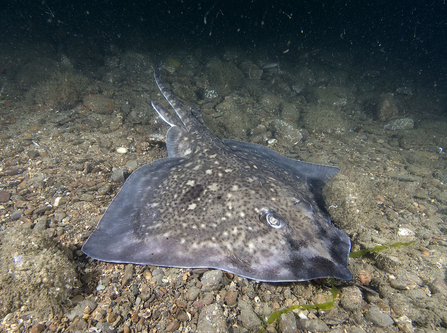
378	318
41	223
104	189
211	319
192	293
405	232
117	175
145	292
32	154
121	150
438	287
287	323
351	298
59	216
404	281
207	299
78	310
286	133
231	297
42	209
173	325
313	325
132	165
16	215
4	196
211	280
128	273
248	317
37	328
399	124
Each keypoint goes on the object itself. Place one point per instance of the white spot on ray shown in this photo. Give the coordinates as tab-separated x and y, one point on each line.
192	206
213	186
190	182
209	172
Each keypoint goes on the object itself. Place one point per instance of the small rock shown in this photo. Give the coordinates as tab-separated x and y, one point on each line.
211	319
399	124
4	196
111	317
131	165
387	107
98	103
231	297
117	175
37	328
78	310
192	293
313	325
378	318
42	209
32	154
87	197
128	274
121	150
58	216
356	330
173	325
351	298
286	133
248	317
41	223
16	215
207	299
404	323
104	189
438	287
145	292
287	323
211	280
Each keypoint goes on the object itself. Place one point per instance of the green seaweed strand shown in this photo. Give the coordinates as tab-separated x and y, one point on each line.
323	306
327	305
377	248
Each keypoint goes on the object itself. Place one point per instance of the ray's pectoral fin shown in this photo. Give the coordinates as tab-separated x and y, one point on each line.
116	238
311	171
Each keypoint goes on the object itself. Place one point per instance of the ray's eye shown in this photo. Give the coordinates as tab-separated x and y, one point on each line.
272	219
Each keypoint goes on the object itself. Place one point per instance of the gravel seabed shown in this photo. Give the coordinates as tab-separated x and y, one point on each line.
64	154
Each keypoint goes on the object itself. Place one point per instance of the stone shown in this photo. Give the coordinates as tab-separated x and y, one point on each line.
211	280
378	318
399	124
248	317
287	323
211	319
313	325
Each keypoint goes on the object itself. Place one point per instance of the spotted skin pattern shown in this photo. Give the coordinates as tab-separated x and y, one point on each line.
230	205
